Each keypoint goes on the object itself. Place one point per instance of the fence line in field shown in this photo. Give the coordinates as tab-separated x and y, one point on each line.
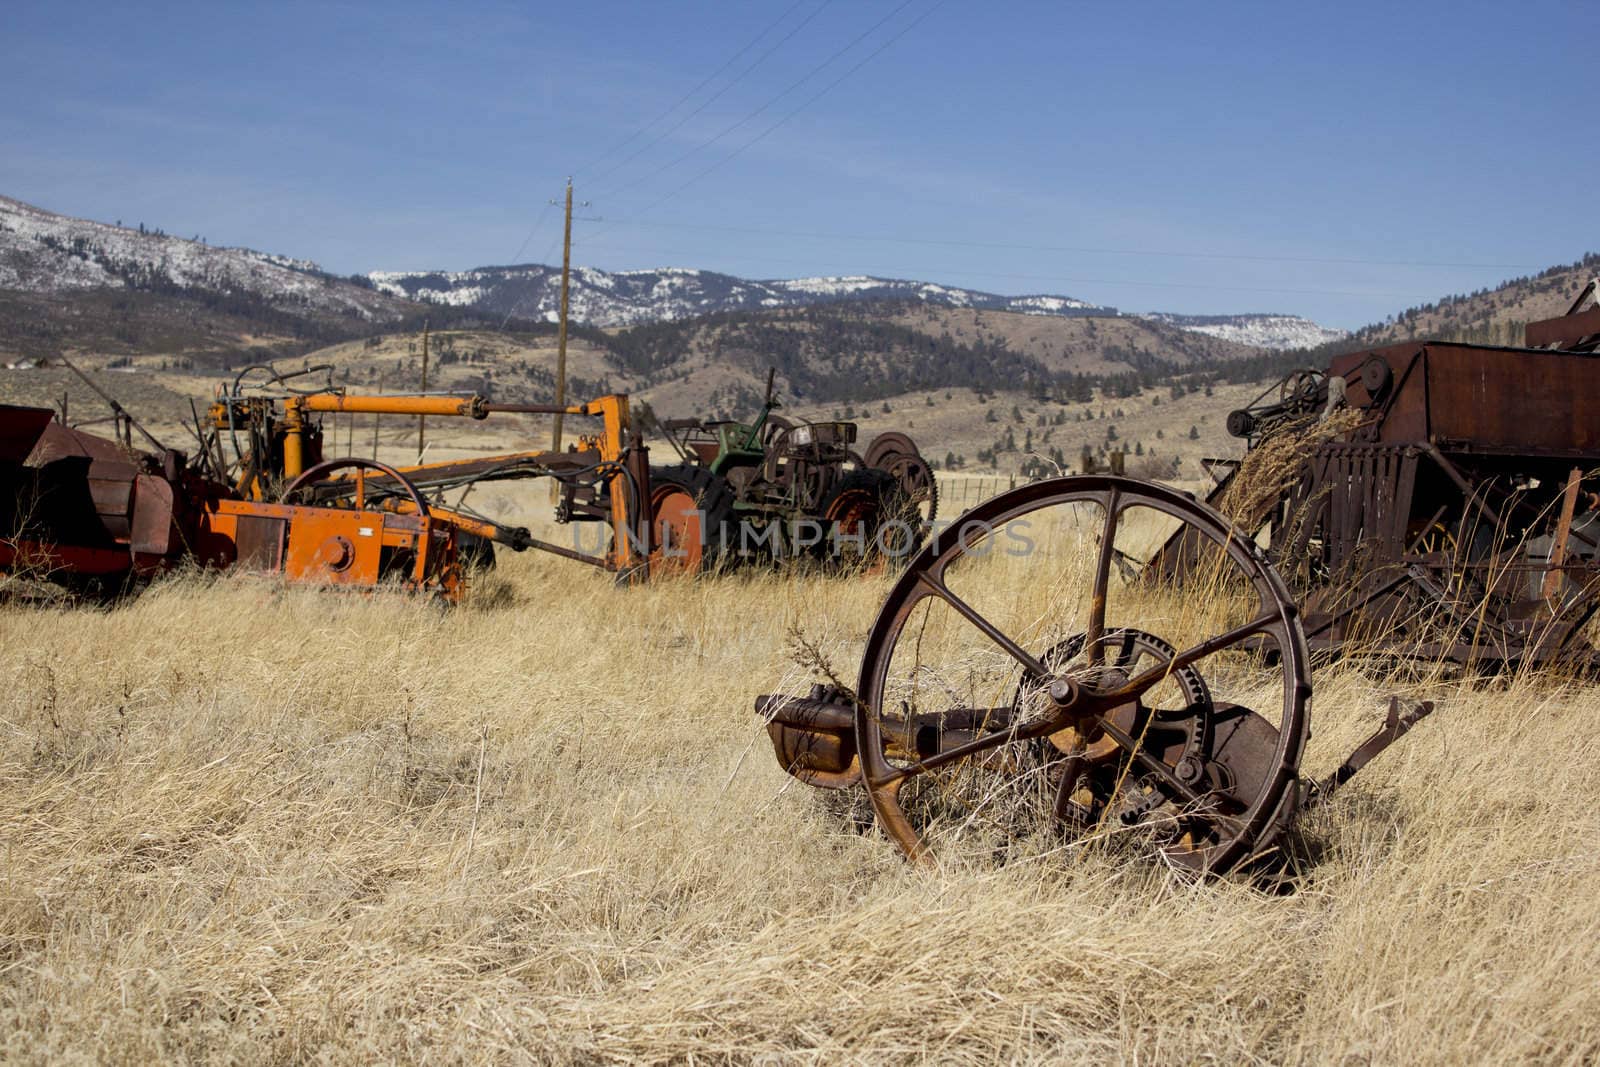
959	492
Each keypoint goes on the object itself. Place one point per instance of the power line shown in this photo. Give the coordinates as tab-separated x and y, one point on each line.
715	74
827	88
814	98
807	77
1077	249
715	96
686	96
515	304
526	240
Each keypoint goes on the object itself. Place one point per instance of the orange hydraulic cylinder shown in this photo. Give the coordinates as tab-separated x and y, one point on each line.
467	406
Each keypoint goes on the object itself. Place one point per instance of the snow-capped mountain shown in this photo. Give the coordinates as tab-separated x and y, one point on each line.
625	298
1262	331
43	252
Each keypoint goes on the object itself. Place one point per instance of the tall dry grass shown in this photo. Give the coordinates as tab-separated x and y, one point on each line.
240	822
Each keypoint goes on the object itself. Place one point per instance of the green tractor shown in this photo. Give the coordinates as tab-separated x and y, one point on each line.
777	489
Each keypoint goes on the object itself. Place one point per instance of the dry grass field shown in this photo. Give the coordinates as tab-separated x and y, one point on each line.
246	823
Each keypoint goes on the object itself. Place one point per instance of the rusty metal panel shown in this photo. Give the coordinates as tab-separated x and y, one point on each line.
1403	403
1564	331
1515	400
111	491
259	540
152	516
20	428
1481	398
1407	408
57	441
1404	494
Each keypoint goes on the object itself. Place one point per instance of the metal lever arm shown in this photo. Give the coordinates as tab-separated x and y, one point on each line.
1395	726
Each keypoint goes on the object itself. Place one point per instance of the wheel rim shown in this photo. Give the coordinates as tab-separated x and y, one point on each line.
917	484
856	518
1222	823
677	526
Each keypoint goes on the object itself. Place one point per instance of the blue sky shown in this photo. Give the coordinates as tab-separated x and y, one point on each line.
1341	161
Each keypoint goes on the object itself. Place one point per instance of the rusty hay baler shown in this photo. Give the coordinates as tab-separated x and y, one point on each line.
1435	499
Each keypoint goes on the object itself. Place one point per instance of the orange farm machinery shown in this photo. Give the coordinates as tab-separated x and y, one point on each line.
96	514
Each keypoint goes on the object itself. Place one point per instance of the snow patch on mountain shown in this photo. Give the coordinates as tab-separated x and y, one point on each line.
1046	305
1262	331
43	252
627	298
826	286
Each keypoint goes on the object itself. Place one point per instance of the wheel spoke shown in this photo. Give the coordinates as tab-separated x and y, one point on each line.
984	626
1150	762
1072	772
969	748
1193	654
1102	579
1129	654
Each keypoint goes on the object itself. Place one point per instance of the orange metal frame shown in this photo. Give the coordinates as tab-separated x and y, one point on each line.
341	545
331	545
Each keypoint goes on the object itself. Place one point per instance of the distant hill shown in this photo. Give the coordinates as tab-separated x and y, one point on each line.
1488	316
631	298
1261	331
74	285
824	354
628	298
70	284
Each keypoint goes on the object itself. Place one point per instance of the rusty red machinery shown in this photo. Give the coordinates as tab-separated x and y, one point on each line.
97	514
91	509
1055	701
1442	501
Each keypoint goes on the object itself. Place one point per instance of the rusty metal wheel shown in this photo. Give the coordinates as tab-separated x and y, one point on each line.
897	455
1017	684
918	486
887	444
862	527
690	512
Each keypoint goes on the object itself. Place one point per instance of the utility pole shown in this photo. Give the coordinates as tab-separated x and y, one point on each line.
377	418
423	419
561	330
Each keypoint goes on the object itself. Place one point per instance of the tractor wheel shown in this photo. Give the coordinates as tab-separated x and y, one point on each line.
897	454
691	519
475	553
864	520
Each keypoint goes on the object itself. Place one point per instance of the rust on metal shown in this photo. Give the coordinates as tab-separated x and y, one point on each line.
1109	732
1458	515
